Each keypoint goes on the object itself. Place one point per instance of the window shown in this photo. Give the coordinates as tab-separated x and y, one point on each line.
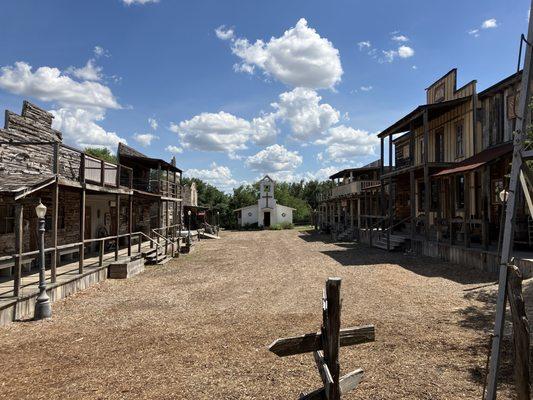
405	151
439	93
459	140
460	192
266	188
439	145
7	219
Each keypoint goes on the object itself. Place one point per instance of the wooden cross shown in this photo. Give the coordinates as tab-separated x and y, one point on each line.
325	346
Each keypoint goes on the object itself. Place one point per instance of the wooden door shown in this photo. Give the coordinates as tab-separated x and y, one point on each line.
88	227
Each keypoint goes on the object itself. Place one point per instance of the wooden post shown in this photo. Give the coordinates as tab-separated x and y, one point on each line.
101	253
382	171
55	212
139	249
412	185
130	223
81	249
330	335
118	226
427	188
167	219
520	335
19	247
485	205
467	210
508	226
451	205
102	172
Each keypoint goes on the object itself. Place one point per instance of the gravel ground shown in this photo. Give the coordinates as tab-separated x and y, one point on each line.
200	326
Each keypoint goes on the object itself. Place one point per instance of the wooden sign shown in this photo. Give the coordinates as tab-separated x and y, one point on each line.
325	346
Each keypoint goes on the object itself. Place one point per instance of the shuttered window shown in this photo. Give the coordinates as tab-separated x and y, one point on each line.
7	219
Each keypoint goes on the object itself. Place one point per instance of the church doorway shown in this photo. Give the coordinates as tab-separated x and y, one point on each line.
266	219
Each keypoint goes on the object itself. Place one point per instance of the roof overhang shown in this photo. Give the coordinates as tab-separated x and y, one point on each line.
477	160
415	118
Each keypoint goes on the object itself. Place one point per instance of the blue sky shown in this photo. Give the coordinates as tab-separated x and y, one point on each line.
192	79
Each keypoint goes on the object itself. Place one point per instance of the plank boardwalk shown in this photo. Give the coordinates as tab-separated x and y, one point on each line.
199	327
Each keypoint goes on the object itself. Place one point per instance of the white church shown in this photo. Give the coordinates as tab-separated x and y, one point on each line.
266	212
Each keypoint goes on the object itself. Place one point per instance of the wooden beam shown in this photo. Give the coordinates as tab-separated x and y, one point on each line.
330	334
485	205
130	222
55	215
527	193
117	232
468	211
412	184
81	248
347	383
323	371
520	335
313	341
19	247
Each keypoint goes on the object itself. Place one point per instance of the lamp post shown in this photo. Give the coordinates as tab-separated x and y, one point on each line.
189	226
43	308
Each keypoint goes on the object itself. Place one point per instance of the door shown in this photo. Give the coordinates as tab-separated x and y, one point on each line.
88	227
439	146
266	219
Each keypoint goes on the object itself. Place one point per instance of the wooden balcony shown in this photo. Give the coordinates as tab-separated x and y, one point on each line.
347	189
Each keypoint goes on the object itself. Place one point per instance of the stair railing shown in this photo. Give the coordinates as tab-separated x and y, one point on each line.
389	229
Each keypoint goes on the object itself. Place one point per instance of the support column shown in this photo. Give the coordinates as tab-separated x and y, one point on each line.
381	172
452	206
55	212
118	227
468	211
351	213
81	249
485	206
19	247
130	222
166	225
412	204
427	187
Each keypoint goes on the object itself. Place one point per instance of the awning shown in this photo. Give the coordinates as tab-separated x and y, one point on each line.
478	160
415	118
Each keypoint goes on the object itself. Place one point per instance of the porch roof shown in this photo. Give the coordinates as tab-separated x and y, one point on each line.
23	183
478	160
415	117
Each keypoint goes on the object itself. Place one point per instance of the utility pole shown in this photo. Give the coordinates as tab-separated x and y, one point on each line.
508	234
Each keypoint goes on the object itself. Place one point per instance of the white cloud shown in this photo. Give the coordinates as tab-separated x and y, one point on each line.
274	158
400	38
265	129
90	72
474	32
405	52
388	55
99	51
301	57
218	176
489	24
141	2
222	132
366	88
145	139
153	123
343	143
81	105
301	108
174	149
49	84
224	34
364	45
79	126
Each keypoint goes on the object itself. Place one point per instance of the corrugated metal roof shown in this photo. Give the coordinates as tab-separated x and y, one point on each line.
477	160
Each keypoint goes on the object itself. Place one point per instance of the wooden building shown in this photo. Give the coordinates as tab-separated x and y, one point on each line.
448	161
353	201
93	206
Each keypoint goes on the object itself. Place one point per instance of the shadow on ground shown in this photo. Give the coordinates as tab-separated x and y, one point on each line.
352	254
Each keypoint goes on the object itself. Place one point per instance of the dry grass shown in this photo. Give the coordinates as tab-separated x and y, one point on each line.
199	327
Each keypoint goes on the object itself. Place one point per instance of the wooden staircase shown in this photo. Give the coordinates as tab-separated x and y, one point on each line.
397	242
154	256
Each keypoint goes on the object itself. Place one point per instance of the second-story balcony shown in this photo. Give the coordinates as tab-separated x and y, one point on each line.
347	189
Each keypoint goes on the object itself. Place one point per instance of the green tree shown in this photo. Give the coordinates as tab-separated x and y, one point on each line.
102	153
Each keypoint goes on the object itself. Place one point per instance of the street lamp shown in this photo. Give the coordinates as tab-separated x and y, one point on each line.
43	308
189	226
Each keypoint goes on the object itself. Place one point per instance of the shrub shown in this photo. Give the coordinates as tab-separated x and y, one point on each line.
276	227
286	225
250	227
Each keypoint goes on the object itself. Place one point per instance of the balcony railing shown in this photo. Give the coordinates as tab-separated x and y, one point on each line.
346	189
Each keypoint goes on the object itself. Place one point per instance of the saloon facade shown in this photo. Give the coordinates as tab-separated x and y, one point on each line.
442	192
94	206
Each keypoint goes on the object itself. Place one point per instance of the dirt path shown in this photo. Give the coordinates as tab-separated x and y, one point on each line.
199	327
